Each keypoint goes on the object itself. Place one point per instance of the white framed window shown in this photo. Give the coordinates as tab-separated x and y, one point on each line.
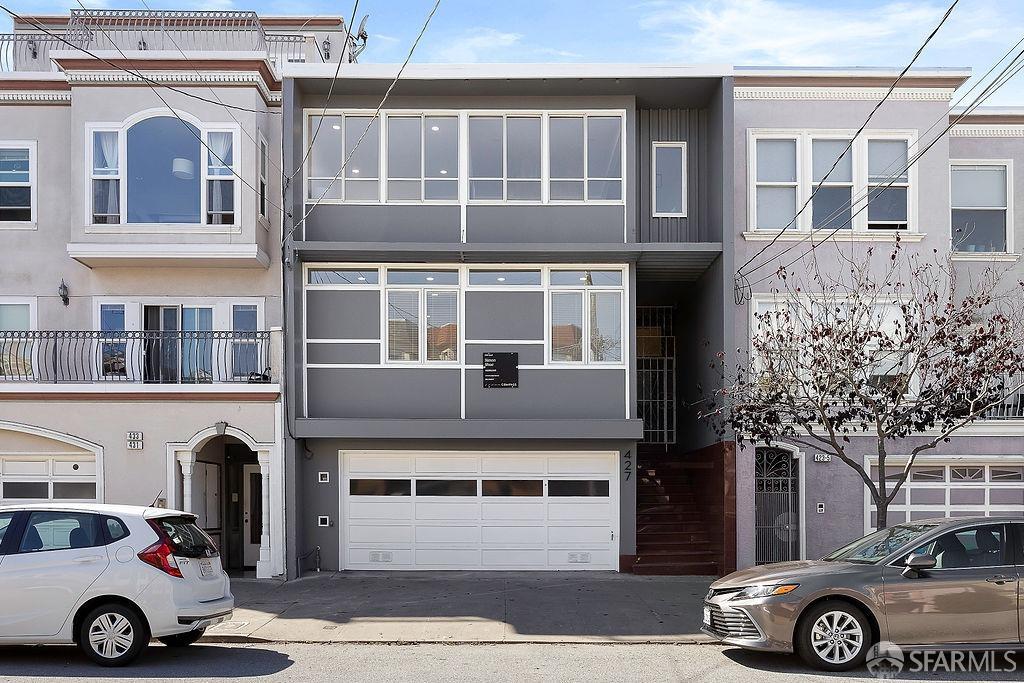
585	316
785	167
17	183
422	158
668	171
422	316
17	351
264	175
505	158
466	156
981	206
155	171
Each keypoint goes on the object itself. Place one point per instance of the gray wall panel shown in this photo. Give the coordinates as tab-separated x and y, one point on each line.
529	354
504	315
342	314
384	392
674	125
549	393
385	223
343	353
555	224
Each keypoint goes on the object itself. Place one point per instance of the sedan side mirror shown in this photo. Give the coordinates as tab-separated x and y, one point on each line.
916	564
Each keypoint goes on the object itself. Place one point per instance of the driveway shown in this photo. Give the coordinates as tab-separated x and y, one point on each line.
468	607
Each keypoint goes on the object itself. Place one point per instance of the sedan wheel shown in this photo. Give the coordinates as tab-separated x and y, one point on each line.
833	636
112	635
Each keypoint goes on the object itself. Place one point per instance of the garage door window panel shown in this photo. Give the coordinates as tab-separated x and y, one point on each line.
446	487
595	488
380	487
513	488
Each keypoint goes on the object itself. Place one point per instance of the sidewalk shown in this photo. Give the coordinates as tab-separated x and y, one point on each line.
468	607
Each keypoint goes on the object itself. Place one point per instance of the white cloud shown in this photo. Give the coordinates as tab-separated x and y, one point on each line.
785	32
480	44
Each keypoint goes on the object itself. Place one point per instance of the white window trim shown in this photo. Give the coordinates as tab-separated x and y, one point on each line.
463	142
805	183
33	177
263	176
386	178
222	309
654	180
121	128
1010	246
422	290
29	301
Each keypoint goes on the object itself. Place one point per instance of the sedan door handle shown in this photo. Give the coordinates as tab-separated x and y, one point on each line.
1000	579
88	559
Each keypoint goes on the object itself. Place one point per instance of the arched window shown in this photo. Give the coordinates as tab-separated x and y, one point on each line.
163	170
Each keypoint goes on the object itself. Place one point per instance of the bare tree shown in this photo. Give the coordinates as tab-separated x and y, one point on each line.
897	350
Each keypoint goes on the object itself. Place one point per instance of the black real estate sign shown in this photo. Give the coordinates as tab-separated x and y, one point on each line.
501	370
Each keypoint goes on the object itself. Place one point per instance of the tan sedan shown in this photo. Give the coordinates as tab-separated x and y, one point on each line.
931	583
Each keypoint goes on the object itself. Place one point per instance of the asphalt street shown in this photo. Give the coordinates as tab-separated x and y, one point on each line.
519	662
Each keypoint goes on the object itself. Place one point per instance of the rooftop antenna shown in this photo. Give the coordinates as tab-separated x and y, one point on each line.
157	499
360	35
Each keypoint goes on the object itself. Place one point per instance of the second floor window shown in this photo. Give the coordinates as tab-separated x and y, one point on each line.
16	182
867	187
979	199
514	157
422	316
162	170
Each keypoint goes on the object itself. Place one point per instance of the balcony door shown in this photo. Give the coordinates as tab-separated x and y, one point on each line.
175	348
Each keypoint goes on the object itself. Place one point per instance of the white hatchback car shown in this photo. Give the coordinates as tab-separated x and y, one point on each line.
107	577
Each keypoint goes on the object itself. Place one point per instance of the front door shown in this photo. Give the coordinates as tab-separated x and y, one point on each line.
57	558
970	596
252	514
776	505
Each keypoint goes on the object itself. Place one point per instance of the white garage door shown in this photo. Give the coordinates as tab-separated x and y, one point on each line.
956	488
430	510
31	477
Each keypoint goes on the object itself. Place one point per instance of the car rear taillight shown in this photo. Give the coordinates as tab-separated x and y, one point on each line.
161	554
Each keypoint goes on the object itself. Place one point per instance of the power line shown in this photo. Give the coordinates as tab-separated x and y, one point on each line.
189	128
1008	73
151	82
375	117
330	92
860	130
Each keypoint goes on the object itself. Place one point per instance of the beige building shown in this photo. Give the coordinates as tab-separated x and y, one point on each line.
140	275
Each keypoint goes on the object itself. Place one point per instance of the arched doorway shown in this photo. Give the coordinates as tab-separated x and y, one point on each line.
776	505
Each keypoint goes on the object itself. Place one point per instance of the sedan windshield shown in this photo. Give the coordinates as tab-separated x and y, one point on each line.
879	545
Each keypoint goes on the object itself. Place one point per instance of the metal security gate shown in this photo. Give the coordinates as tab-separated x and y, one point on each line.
776	506
656	373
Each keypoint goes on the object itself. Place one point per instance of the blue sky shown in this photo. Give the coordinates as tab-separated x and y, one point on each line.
786	32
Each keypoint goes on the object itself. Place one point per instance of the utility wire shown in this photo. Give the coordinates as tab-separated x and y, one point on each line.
151	82
1008	73
375	117
871	114
188	127
327	99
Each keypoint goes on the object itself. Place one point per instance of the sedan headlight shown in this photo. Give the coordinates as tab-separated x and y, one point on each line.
765	591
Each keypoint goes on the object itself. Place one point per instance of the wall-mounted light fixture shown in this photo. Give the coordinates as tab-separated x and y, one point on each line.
327	49
62	292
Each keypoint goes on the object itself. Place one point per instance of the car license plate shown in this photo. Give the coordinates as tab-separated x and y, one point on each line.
707	616
205	567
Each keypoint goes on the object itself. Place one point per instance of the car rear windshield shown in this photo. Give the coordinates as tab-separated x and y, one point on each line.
186	537
879	545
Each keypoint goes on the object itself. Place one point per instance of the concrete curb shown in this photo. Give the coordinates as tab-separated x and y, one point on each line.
255	640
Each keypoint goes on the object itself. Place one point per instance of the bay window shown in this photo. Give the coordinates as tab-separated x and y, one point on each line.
867	187
980	207
162	170
17	182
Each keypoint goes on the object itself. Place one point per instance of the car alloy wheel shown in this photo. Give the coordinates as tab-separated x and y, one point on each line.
111	635
837	637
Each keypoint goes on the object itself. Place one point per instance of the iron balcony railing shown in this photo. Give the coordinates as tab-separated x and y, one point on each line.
142	357
1012	407
130	30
